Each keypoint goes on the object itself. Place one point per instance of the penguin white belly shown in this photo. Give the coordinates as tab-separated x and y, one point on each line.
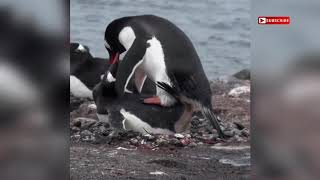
78	89
154	67
132	122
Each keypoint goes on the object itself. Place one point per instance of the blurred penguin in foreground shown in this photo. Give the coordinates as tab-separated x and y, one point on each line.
33	91
286	144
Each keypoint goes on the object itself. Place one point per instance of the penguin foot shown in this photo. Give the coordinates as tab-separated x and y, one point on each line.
152	100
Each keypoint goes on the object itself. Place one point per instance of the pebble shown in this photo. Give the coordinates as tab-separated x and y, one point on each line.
86	133
84	122
148	137
75	129
134	141
185	142
143	142
103	130
92	106
161	141
245	133
238	91
179	136
229	133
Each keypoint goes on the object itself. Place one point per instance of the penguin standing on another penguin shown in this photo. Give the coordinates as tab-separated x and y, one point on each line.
153	47
128	113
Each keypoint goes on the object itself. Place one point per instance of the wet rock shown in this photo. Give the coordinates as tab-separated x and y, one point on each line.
243	74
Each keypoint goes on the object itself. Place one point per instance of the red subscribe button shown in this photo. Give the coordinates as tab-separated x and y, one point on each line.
274	20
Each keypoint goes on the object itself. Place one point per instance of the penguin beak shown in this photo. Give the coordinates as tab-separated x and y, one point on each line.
114	57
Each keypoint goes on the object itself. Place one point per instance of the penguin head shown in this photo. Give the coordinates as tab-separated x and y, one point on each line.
79	54
112	43
104	92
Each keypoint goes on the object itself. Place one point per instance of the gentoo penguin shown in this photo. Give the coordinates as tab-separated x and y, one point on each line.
153	47
128	113
85	70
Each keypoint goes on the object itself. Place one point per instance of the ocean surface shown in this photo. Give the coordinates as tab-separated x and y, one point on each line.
219	29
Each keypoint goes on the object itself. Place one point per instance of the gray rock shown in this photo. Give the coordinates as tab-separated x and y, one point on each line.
85	122
179	136
134	141
148	137
103	130
161	141
243	74
75	129
229	133
193	144
86	133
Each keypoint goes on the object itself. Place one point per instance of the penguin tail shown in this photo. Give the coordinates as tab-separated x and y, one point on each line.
208	114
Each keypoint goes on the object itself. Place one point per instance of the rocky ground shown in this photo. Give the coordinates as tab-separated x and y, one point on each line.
197	154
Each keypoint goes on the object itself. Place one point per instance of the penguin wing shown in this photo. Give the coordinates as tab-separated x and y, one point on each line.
186	85
128	65
173	91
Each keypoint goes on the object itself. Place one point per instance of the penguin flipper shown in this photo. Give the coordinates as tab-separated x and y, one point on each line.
170	90
127	66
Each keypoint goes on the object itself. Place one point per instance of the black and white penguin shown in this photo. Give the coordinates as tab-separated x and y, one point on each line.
85	70
153	47
128	113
